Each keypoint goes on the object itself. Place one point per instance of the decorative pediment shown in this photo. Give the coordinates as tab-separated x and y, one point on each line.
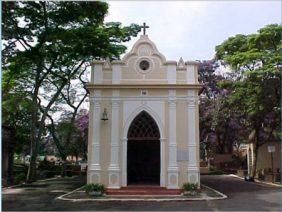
144	47
144	64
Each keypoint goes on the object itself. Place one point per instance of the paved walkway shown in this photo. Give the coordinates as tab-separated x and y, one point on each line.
40	195
242	195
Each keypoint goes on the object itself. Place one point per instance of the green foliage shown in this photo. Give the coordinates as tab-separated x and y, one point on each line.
238	161
16	113
45	46
190	186
255	95
253	52
19	178
214	171
255	59
96	187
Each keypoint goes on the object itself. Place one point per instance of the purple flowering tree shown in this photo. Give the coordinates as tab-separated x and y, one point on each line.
81	124
74	144
221	128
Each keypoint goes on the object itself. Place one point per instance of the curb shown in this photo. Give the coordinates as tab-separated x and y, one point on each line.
223	196
62	196
257	181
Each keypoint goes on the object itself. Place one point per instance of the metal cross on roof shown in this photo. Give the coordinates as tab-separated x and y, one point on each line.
144	28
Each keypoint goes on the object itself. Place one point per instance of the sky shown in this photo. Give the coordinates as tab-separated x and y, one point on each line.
192	29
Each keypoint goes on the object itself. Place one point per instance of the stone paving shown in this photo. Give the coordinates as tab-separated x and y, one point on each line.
246	196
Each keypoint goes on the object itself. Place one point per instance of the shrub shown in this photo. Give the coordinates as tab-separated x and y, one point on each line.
190	186
94	187
214	171
68	173
18	178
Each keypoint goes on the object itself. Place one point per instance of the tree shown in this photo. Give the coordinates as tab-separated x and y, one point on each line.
219	126
255	60
45	45
209	79
72	96
65	145
16	109
81	124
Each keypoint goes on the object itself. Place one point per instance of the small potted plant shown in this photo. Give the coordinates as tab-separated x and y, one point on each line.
190	189
94	189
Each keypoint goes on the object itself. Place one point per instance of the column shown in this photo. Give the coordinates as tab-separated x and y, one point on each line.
193	163
172	145
95	168
124	162
162	177
114	170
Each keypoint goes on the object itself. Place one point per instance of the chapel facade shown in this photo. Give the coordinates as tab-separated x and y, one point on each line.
143	120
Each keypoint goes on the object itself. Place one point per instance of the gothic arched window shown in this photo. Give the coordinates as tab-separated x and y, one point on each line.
143	127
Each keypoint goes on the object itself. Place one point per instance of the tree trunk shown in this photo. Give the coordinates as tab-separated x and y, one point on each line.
10	174
85	152
37	128
31	174
220	146
254	168
255	154
58	144
224	142
35	135
32	169
76	157
63	171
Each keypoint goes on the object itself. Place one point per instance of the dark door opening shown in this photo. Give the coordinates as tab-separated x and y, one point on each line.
143	162
143	151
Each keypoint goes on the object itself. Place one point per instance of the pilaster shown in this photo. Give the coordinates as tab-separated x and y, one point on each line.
162	171
172	145
124	162
114	169
193	166
95	142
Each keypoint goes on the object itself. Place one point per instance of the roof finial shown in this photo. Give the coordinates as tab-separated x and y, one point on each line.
144	28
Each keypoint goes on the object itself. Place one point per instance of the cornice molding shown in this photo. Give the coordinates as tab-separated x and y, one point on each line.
192	62
143	86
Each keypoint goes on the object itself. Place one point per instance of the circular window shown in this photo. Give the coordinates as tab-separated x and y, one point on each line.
144	65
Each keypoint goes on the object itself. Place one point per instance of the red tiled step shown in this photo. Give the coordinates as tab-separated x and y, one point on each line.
146	190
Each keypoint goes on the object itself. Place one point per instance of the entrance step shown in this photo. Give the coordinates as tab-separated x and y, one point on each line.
143	190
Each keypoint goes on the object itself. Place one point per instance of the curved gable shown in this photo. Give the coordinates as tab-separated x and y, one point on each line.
144	64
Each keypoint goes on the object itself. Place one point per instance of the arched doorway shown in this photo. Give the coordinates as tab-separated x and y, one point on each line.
143	151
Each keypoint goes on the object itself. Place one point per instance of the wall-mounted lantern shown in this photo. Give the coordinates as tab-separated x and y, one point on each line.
105	115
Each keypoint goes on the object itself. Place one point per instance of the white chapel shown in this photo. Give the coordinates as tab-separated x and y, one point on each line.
143	120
